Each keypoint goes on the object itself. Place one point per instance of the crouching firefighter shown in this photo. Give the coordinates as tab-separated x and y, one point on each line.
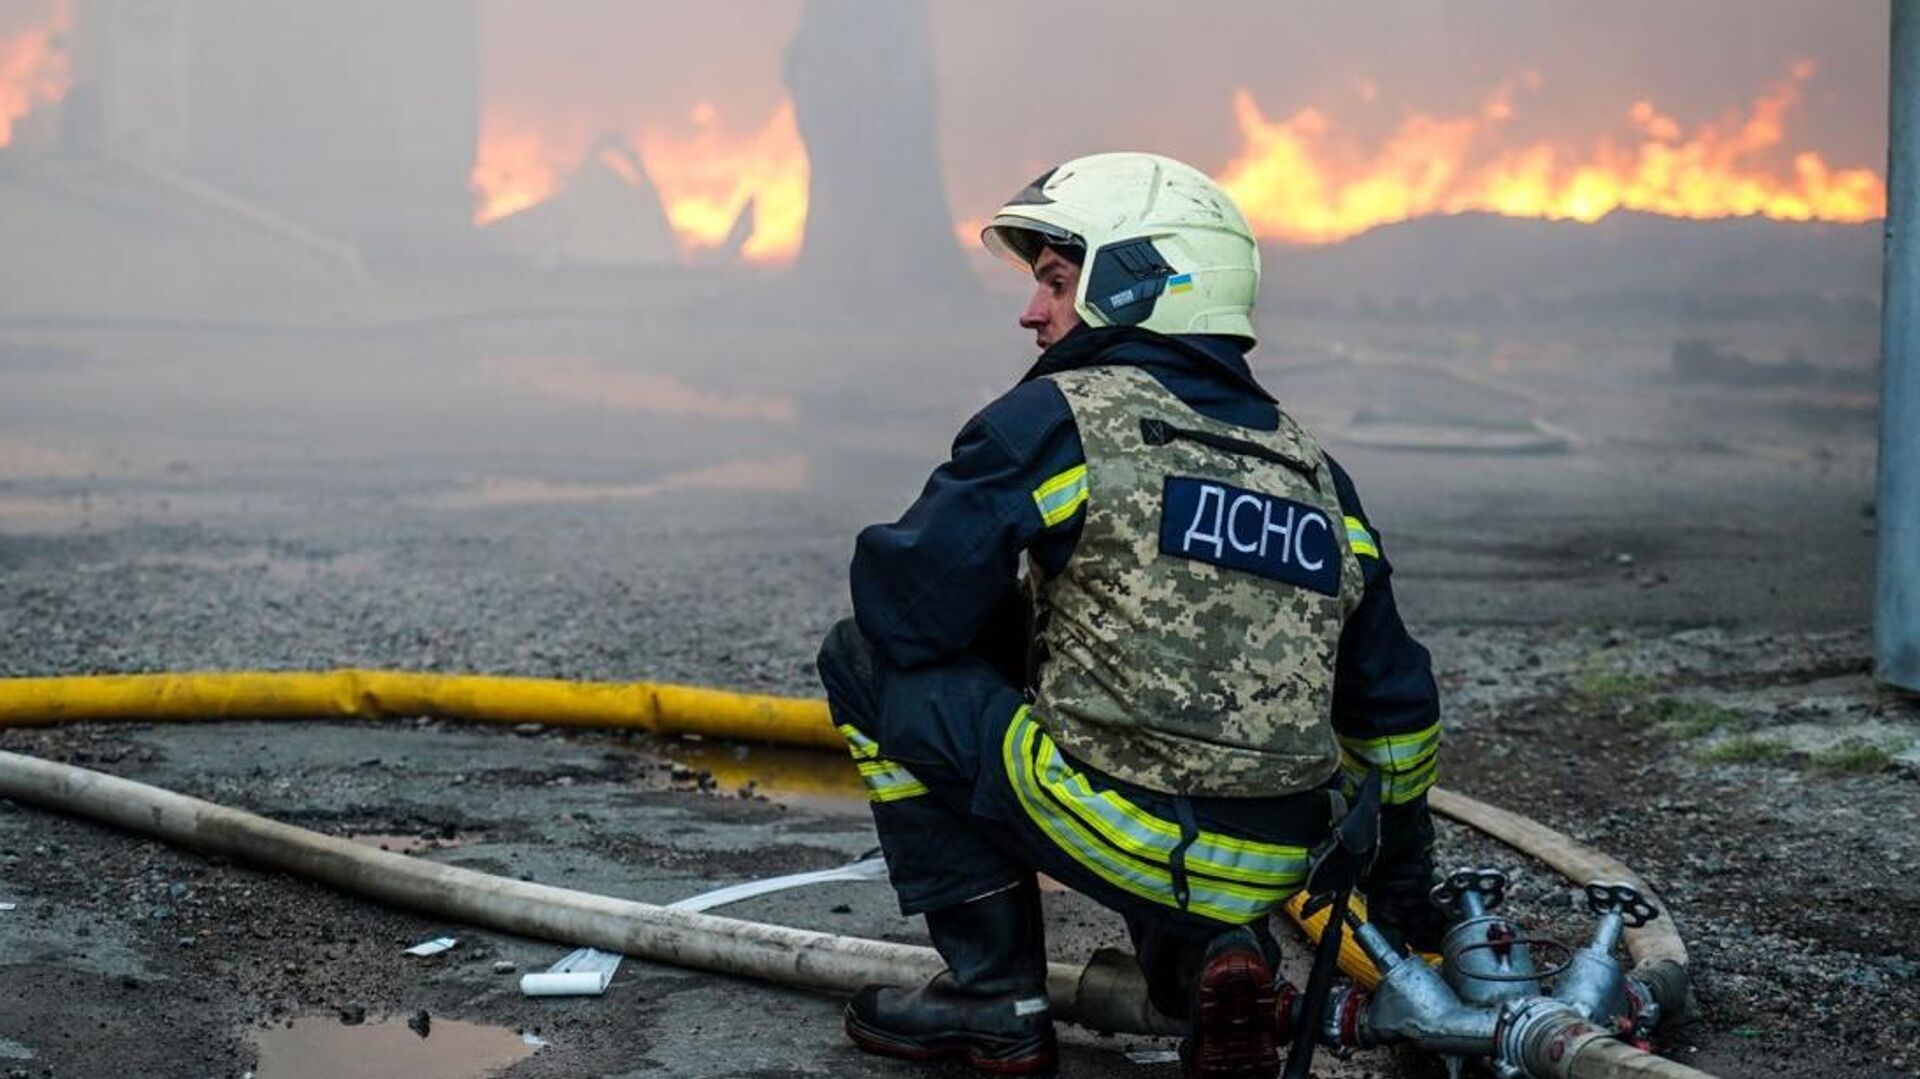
1204	651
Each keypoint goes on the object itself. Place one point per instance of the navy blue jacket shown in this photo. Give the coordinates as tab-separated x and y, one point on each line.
927	585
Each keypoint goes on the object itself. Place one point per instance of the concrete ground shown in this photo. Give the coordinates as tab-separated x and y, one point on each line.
1654	641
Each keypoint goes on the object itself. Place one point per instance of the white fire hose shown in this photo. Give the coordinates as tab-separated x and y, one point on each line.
1108	993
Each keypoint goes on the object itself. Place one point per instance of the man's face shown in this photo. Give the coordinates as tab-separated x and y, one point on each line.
1050	314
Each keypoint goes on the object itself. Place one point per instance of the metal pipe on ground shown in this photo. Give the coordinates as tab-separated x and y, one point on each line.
1897	587
1654	946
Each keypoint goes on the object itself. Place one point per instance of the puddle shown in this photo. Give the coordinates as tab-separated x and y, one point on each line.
321	1047
803	777
400	843
577	381
808	778
770	475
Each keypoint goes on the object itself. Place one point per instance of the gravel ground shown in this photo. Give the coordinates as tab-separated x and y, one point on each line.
1695	701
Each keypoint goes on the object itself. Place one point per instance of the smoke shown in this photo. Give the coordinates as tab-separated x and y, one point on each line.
247	260
1025	84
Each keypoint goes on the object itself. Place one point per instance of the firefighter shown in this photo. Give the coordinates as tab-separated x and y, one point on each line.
1203	648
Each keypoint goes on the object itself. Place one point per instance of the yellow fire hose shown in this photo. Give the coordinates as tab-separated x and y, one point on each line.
353	693
659	708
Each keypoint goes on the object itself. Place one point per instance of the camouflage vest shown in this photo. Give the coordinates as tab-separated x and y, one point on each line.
1188	645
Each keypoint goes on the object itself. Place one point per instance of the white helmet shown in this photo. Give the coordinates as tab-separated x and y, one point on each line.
1165	248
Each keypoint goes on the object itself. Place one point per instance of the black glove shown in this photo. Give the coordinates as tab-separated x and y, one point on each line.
1398	886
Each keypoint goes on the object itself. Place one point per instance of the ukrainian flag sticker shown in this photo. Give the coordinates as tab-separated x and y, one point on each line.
1179	284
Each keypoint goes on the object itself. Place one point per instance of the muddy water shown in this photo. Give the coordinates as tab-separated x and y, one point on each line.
809	777
401	843
321	1047
822	782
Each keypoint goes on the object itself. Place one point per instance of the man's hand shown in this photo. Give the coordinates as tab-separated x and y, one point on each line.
1397	887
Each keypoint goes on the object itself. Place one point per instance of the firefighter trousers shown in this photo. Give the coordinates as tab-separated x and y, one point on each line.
970	796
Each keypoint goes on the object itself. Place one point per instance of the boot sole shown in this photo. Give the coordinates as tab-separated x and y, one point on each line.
1017	1058
1235	1007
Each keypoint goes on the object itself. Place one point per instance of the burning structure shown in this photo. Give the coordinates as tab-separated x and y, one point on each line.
427	130
225	90
1302	180
867	115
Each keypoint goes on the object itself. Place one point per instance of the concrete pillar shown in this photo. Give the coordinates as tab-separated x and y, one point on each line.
1897	599
862	77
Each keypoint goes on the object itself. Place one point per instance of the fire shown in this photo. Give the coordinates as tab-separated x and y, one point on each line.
1297	180
513	168
705	175
34	68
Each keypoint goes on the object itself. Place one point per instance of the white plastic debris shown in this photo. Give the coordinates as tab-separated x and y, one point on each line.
578	983
1154	1056
8	906
866	869
433	947
583	972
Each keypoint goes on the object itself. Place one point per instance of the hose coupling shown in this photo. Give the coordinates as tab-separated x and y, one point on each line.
1537	1038
1286	1012
1340	1029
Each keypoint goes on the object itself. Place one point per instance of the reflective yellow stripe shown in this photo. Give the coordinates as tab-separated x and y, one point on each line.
1396	788
889	782
896	792
1129	848
1408	763
862	747
1360	539
886	781
1215	855
1060	496
1395	752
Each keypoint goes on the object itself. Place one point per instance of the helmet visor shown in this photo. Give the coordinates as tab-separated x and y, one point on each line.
1018	240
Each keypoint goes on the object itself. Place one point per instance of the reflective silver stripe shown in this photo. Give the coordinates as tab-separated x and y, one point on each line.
1395	752
890	782
1121	822
1060	496
886	781
1396	788
862	747
1360	539
1117	846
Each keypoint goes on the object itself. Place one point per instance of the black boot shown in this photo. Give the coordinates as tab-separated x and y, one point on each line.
1235	1012
989	1008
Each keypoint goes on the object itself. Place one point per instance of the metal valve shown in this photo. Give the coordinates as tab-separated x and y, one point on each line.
1618	897
1469	893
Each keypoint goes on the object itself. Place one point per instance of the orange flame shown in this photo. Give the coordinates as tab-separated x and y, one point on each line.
34	68
705	179
516	165
704	176
1297	182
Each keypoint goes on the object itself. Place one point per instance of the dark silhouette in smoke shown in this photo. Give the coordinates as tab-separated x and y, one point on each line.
862	77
